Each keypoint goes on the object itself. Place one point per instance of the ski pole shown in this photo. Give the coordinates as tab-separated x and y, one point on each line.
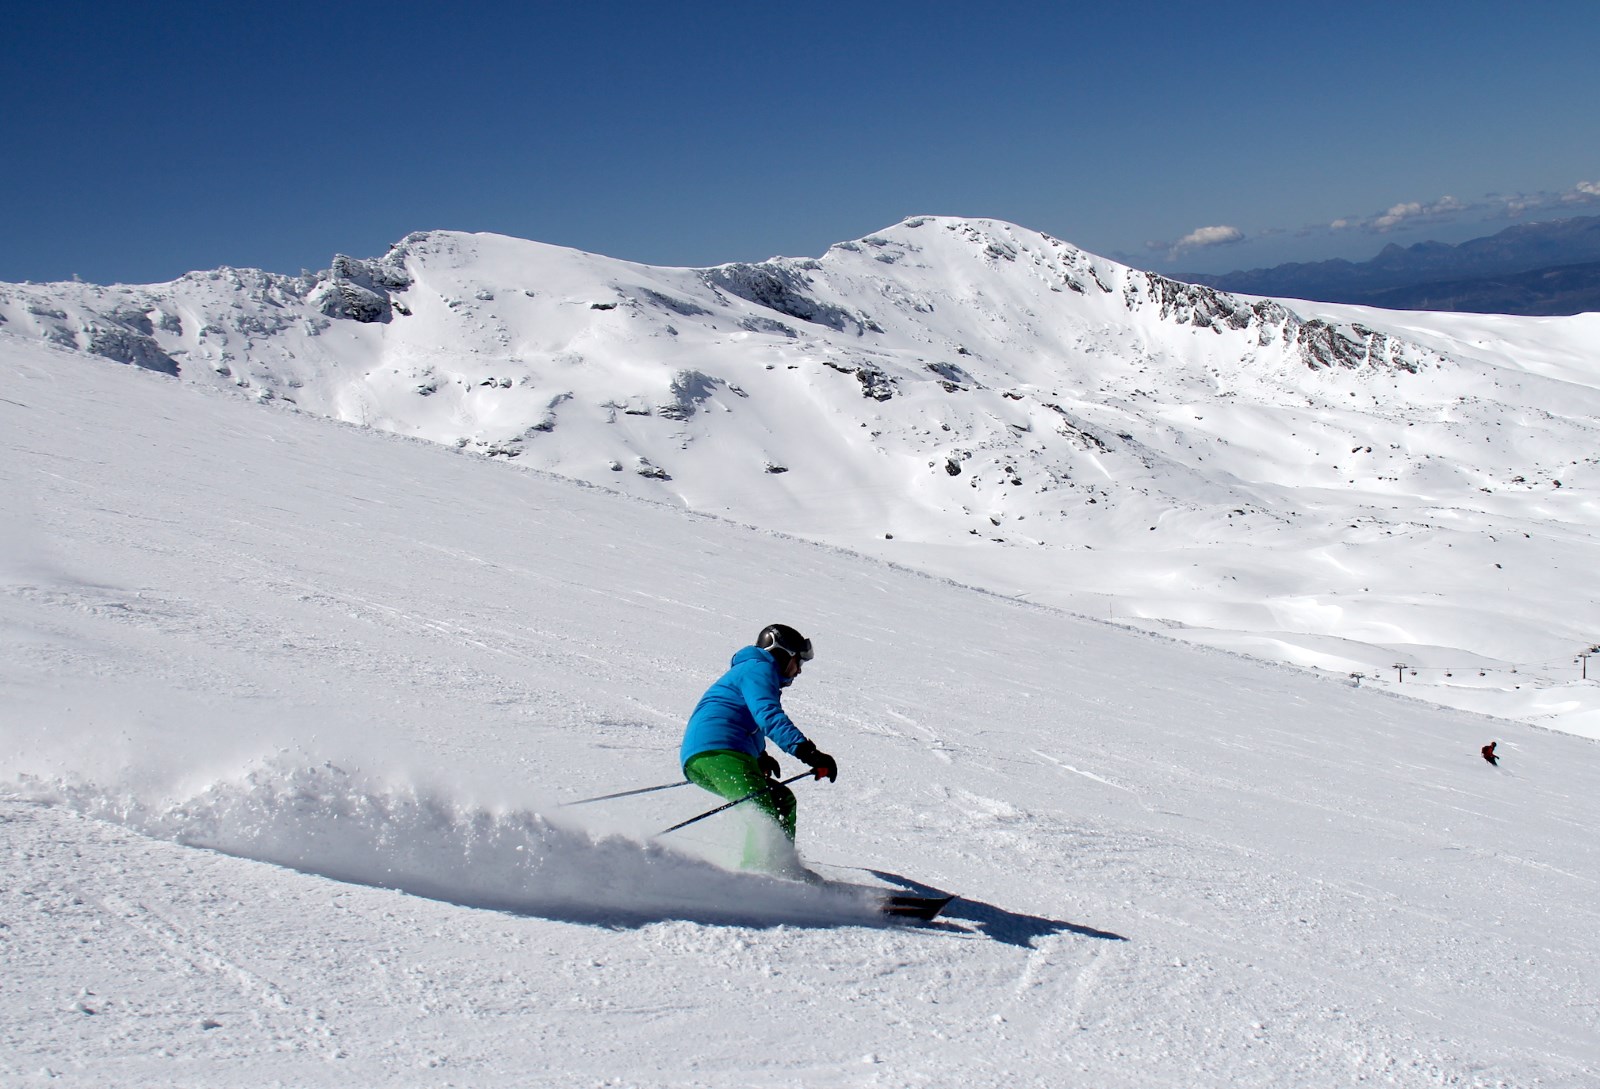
729	805
627	793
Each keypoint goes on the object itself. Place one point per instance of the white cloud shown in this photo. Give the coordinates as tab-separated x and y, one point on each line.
1212	236
1412	213
1396	216
1404	213
1205	238
1513	206
1584	192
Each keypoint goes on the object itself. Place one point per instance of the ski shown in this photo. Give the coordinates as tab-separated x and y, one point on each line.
887	901
902	905
891	902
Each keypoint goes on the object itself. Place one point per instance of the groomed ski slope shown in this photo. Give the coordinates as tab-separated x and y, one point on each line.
256	665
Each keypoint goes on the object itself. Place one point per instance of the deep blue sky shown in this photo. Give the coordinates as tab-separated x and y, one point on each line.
143	140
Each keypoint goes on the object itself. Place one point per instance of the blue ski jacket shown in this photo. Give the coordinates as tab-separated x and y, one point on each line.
741	710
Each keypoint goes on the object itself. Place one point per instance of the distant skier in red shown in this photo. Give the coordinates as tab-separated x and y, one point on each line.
1488	753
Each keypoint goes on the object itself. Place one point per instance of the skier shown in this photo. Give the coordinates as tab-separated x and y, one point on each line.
724	746
1489	753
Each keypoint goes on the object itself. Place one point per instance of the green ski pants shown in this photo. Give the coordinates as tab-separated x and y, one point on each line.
733	775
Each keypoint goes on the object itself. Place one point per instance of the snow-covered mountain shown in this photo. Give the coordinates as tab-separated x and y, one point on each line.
1347	489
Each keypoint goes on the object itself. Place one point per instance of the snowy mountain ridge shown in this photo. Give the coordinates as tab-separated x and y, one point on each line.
987	403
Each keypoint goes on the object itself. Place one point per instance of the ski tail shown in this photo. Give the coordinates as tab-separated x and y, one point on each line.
900	905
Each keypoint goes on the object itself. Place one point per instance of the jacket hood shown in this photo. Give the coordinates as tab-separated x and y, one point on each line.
752	654
756	654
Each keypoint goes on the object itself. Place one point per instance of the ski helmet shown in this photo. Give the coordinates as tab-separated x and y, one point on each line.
782	639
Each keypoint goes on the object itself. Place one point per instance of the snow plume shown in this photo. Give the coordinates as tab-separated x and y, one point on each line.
344	825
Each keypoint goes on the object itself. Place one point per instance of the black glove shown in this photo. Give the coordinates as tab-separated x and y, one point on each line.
768	765
821	763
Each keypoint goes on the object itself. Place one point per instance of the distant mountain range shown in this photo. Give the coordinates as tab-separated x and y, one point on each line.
1533	268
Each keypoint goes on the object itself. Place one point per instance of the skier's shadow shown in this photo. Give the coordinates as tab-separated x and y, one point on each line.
1010	927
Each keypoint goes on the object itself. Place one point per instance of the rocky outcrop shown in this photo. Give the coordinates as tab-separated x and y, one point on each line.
783	288
1317	343
359	290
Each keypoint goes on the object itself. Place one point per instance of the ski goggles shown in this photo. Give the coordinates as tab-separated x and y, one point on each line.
804	653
